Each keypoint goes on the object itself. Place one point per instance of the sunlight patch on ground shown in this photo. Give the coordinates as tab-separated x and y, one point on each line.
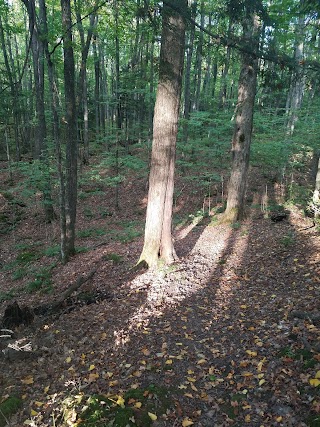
171	285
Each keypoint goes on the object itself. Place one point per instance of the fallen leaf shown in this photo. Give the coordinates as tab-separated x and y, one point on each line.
187	422
93	377
27	380
138	405
152	416
91	367
120	401
314	382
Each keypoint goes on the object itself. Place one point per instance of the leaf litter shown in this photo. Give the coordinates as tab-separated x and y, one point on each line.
227	336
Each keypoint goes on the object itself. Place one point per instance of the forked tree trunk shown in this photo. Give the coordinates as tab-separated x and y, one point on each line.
158	243
243	127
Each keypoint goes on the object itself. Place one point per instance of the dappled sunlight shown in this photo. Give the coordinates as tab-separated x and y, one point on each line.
171	285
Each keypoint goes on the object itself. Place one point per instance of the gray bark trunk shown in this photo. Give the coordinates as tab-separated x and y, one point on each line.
158	243
243	127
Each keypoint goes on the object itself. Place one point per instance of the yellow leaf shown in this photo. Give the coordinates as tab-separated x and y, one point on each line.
46	389
191	379
262	382
113	383
279	419
27	380
68	359
91	367
33	413
120	401
317	375
243	306
145	351
38	404
247	418
314	382
201	361
182	387
138	405
190	372
251	353
152	416
169	362
187	422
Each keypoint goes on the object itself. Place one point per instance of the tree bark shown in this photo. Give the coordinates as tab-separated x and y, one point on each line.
296	92
158	244
71	131
316	193
83	83
243	127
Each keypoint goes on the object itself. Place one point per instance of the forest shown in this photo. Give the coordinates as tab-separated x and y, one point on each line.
159	213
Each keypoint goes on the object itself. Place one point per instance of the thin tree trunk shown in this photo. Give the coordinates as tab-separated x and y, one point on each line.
198	66
13	91
83	84
187	78
225	72
158	243
296	91
243	127
71	131
316	192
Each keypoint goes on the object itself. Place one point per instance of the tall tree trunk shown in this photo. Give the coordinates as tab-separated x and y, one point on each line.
54	100
71	131
96	84
83	84
187	76
316	192
198	65
296	92
158	243
38	37
225	72
243	127
13	90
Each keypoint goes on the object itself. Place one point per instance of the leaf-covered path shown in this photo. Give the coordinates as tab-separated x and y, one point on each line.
230	335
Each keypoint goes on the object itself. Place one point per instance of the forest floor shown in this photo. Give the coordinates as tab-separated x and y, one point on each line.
227	336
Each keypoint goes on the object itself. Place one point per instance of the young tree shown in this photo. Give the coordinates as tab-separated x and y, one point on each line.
244	118
158	238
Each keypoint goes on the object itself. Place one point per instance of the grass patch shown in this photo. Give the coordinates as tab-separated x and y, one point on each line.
117	259
42	281
303	355
52	251
130	231
91	232
6	296
130	410
287	240
8	408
